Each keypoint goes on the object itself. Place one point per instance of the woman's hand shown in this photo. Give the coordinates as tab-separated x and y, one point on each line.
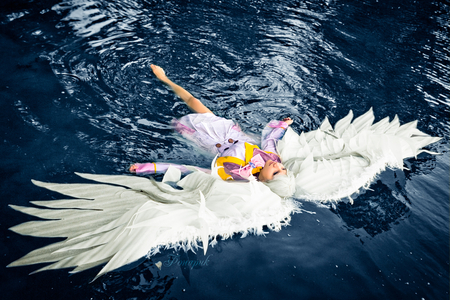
159	72
288	121
133	169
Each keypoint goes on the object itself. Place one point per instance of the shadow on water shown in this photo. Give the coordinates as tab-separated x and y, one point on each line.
142	282
386	203
153	278
375	211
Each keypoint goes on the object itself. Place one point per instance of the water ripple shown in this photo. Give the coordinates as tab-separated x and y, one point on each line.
29	117
243	66
250	61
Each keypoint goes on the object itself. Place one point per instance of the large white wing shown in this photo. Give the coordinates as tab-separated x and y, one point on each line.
120	219
334	163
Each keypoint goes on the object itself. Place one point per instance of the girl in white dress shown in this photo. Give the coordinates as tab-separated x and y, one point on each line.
239	158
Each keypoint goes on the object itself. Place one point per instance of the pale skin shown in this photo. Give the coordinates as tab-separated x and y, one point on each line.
193	103
270	169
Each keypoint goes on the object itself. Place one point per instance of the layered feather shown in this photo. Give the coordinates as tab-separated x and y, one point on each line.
334	163
117	220
121	219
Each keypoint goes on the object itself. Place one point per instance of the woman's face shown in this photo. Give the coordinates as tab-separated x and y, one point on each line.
270	169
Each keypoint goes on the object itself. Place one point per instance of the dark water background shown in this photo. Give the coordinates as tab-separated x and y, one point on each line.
77	95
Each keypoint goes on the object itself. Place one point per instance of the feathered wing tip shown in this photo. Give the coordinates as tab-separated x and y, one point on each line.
331	163
119	219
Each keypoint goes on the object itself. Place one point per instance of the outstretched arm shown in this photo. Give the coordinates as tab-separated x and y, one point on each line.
273	132
159	168
193	103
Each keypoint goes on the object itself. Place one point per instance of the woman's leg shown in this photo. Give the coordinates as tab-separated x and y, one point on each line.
197	106
193	103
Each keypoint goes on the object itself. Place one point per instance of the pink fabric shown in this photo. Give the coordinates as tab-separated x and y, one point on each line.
278	124
181	128
236	127
271	134
245	172
161	168
147	168
235	170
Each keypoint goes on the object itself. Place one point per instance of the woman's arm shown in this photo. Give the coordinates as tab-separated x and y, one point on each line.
159	168
272	133
194	104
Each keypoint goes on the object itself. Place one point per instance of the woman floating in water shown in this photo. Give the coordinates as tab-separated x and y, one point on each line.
238	156
119	219
326	164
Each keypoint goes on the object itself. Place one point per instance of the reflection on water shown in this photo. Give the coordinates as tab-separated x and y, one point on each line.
143	282
375	211
386	203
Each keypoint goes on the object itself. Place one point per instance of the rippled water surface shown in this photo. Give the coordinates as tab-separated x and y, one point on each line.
77	95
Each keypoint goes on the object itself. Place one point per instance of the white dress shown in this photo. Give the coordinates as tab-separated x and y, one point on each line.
207	130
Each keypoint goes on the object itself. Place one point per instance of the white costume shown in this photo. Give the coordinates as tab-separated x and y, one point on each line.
120	219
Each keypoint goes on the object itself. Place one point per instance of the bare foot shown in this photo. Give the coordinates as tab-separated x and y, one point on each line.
159	72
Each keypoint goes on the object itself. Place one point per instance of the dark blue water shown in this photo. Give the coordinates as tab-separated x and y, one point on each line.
77	95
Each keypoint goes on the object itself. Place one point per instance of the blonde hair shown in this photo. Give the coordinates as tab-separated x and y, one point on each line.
282	185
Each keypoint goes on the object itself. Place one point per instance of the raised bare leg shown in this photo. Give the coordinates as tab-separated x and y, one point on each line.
193	103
